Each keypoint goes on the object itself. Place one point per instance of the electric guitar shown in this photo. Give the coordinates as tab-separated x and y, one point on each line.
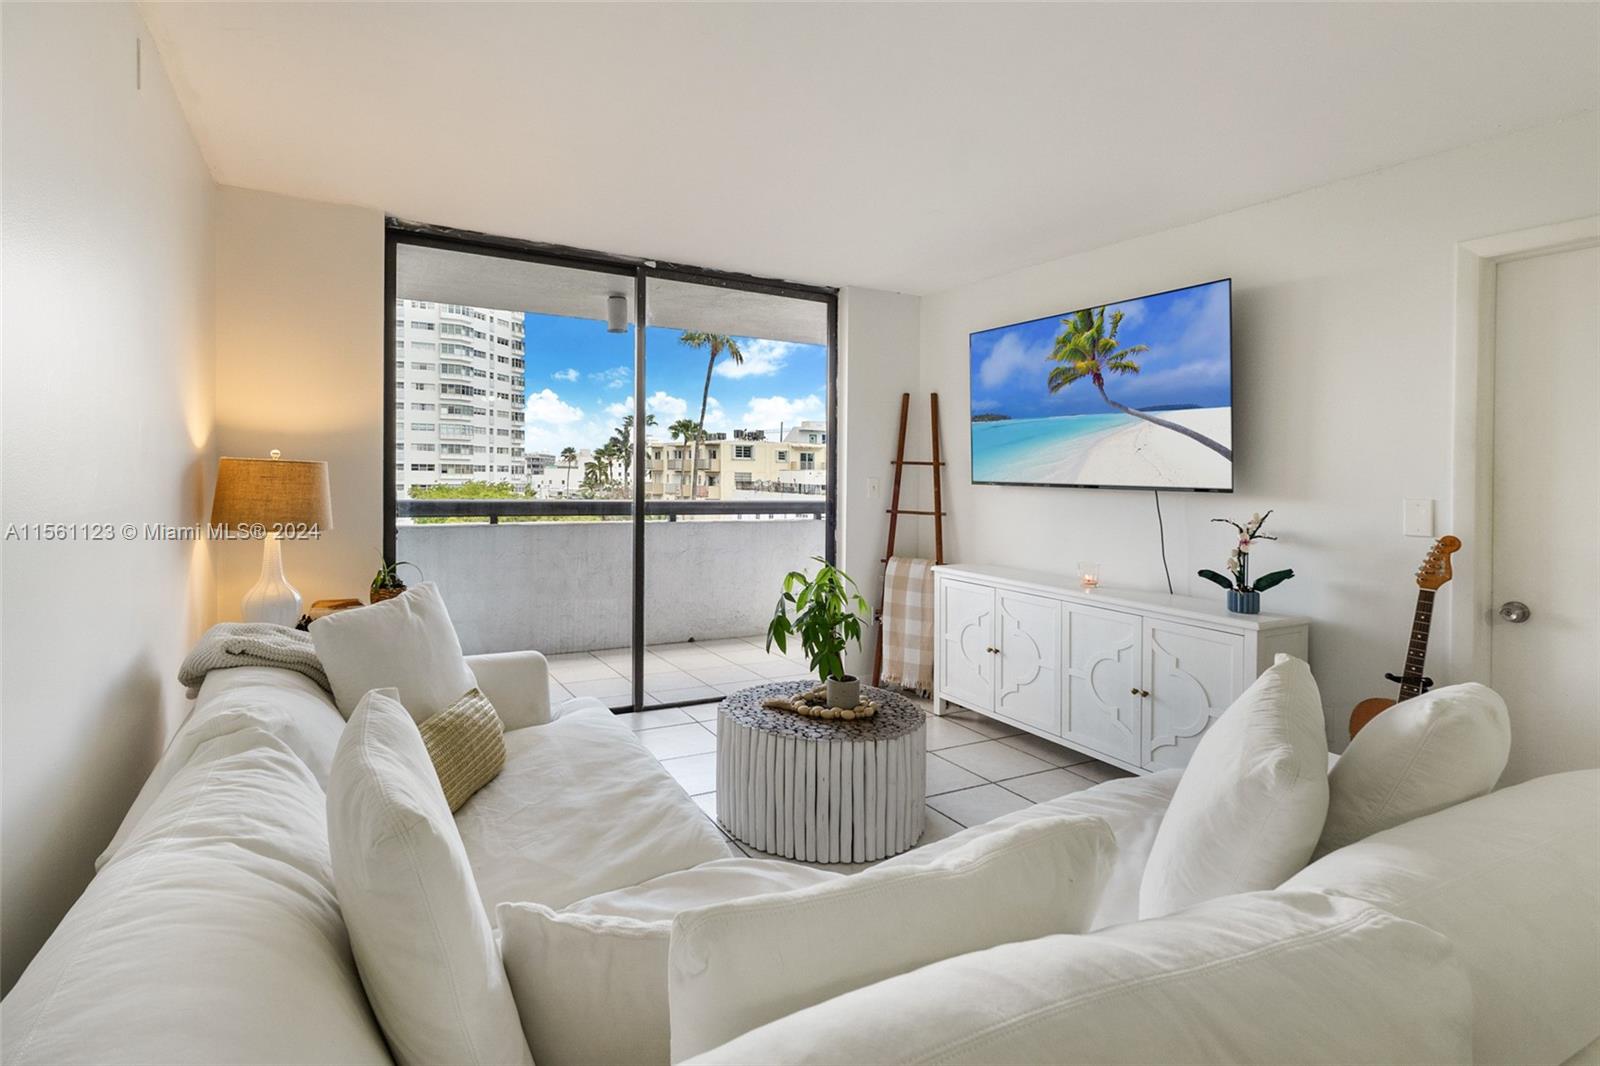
1431	576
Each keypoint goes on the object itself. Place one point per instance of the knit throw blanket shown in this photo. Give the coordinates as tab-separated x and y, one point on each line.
908	624
230	644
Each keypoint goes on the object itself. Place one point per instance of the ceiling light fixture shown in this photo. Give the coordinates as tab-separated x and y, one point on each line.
616	313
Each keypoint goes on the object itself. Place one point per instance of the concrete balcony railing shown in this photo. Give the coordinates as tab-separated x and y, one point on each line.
712	569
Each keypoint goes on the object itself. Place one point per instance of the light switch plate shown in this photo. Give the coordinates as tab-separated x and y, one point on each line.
874	487
1418	520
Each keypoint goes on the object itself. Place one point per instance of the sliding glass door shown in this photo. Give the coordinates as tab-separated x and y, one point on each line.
736	477
641	553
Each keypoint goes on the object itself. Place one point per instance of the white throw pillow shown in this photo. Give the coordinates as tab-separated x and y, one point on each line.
590	982
422	941
1266	977
1420	756
1251	803
405	643
735	966
1513	880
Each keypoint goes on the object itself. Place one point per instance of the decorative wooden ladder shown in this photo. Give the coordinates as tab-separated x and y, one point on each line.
935	464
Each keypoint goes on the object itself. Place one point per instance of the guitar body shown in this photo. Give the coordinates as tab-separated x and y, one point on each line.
1367	710
1432	575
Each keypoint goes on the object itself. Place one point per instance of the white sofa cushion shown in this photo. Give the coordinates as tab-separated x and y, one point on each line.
1132	806
212	935
738	965
406	643
1250	805
517	683
580	808
1513	879
1420	756
1268	978
281	703
590	982
422	941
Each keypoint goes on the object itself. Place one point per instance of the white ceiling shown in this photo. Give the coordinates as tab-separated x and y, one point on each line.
910	147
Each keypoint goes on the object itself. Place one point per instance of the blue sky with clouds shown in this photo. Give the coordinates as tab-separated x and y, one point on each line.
580	383
1188	361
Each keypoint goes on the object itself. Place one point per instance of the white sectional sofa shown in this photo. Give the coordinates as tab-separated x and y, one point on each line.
212	932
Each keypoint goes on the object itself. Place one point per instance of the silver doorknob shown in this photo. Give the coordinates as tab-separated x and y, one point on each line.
1515	611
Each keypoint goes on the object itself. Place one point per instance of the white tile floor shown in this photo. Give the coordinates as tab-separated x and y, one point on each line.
673	673
978	768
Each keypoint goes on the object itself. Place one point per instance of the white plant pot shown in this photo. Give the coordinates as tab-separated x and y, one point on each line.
844	692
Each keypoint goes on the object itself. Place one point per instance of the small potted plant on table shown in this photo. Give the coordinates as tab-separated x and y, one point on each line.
1243	596
828	611
386	583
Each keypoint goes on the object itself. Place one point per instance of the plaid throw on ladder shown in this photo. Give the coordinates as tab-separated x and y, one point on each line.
908	624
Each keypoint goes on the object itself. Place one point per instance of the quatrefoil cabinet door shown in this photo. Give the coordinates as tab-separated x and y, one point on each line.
1104	706
1194	674
966	635
1028	681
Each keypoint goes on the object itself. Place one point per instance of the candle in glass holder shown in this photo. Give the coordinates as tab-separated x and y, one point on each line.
1089	576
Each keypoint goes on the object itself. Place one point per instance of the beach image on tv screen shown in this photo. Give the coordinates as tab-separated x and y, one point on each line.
1135	394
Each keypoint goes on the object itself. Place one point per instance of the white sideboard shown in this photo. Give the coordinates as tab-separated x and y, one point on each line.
1133	678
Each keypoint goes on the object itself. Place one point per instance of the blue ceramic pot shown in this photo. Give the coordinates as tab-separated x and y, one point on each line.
1244	602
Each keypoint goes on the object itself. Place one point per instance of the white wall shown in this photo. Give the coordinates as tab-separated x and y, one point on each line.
1343	317
300	368
107	386
878	351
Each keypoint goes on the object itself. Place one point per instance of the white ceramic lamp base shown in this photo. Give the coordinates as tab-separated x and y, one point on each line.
272	598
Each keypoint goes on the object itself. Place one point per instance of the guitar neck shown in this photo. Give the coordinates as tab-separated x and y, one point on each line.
1417	649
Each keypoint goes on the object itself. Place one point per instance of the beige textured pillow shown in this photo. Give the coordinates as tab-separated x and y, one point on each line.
467	746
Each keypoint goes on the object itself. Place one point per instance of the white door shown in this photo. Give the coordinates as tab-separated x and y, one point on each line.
1028	634
1546	510
1103	671
966	655
1192	675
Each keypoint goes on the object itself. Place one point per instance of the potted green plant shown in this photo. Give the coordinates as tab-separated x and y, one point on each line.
826	613
1244	597
386	583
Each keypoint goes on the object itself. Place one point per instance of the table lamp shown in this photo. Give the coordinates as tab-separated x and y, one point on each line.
277	495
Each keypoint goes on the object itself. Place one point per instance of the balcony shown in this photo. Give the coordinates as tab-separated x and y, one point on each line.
515	579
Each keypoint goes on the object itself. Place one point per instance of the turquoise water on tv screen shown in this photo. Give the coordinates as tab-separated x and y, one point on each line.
1012	450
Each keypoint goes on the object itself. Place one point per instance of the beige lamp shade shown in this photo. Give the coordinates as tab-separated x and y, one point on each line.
272	492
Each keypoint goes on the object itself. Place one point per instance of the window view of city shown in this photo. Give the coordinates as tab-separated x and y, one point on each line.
516	469
498	404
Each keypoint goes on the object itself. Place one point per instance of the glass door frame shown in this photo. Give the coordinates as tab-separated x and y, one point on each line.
398	232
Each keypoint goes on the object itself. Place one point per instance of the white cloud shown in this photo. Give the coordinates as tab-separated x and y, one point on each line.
620	409
546	407
569	374
615	378
772	412
716	417
552	424
667	408
761	358
1008	357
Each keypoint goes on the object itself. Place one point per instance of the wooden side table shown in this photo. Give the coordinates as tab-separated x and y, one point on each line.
821	790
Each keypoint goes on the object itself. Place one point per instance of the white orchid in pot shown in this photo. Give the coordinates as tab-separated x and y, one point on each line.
1244	596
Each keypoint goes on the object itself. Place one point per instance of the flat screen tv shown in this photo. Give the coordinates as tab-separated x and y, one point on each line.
1129	395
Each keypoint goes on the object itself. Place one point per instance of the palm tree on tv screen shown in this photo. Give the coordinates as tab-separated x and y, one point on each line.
1087	349
716	345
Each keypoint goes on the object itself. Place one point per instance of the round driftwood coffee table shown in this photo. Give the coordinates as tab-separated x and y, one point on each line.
821	790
